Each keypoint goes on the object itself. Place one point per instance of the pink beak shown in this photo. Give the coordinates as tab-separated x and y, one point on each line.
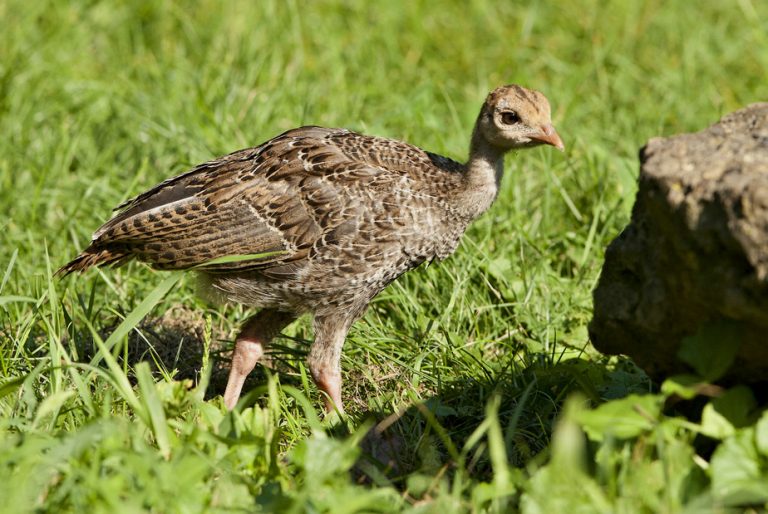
549	136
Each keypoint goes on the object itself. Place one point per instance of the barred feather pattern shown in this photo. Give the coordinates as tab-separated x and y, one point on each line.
341	214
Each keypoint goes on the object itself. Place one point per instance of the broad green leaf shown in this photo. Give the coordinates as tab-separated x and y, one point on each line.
722	416
712	349
624	418
714	424
761	434
683	386
564	484
737	404
738	479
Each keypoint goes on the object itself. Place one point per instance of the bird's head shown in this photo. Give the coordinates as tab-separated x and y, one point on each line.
515	117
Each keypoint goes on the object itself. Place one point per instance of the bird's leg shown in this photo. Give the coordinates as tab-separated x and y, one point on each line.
325	358
250	345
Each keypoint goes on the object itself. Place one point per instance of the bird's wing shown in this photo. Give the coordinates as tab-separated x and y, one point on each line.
277	200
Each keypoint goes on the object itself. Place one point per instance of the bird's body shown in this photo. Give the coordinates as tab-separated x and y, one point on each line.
355	219
328	218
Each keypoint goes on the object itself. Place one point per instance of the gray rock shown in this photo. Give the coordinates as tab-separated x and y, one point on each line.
695	252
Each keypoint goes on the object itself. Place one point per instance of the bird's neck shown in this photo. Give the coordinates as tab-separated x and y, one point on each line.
483	174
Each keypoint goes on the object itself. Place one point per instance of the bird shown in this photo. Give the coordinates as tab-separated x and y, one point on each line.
317	221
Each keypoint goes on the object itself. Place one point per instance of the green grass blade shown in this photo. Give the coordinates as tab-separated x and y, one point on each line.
228	259
16	299
117	375
8	269
154	408
136	315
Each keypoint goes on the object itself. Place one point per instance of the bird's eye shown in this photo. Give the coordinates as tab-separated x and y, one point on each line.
509	117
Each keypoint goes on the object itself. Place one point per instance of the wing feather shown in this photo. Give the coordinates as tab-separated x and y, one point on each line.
283	198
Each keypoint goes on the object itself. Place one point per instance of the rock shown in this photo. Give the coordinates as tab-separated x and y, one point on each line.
695	252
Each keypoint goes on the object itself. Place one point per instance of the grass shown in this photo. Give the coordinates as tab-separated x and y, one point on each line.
462	367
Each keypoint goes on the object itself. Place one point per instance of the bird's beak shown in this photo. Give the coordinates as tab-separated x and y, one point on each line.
549	136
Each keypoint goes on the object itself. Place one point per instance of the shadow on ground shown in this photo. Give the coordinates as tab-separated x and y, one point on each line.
417	438
421	438
175	344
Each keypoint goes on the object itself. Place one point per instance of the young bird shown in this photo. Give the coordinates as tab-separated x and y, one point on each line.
328	218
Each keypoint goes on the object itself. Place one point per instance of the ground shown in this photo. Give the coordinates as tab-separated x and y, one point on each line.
471	384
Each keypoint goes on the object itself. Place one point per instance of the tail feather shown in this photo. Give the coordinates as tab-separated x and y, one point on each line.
94	256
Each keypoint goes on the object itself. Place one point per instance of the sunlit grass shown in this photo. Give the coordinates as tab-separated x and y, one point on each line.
463	365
